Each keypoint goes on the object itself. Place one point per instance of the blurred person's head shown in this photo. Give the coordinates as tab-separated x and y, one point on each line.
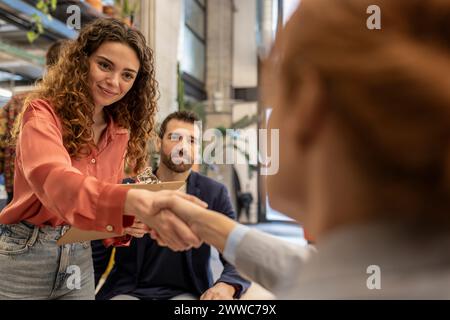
51	58
109	68
178	140
54	52
364	115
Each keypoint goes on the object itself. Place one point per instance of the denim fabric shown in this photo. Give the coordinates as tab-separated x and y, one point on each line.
33	266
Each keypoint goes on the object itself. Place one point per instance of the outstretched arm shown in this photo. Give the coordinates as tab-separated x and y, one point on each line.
259	256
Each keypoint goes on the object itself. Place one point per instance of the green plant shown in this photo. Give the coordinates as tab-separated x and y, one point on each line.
180	88
127	8
199	109
195	106
234	141
45	6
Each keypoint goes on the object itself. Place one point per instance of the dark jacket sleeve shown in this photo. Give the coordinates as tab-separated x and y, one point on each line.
229	274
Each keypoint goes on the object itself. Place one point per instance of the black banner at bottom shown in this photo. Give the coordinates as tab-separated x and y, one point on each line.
236	309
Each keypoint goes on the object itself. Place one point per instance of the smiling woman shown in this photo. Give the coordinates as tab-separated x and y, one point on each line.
113	68
120	75
92	111
112	71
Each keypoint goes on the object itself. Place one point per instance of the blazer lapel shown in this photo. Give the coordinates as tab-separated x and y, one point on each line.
192	187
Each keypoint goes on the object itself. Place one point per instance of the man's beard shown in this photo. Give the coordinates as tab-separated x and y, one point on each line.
178	168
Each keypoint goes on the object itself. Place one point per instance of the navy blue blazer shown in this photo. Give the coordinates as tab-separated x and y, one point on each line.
139	267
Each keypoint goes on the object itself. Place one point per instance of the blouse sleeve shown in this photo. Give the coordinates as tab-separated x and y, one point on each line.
82	201
123	241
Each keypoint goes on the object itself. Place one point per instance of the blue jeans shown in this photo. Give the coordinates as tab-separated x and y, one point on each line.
33	266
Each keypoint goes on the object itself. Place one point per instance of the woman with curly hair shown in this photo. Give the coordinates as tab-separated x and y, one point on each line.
92	112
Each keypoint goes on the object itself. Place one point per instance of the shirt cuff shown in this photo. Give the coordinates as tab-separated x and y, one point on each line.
110	209
233	240
123	241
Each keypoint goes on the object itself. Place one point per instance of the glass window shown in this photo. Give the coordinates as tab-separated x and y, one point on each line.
202	2
195	18
289	6
193	59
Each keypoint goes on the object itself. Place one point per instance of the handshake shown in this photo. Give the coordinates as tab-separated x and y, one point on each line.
170	217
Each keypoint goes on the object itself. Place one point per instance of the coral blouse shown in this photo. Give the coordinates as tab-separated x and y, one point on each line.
51	188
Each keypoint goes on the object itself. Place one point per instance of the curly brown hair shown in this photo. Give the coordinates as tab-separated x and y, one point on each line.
66	87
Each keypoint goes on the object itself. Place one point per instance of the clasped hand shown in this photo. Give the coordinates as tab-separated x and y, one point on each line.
153	216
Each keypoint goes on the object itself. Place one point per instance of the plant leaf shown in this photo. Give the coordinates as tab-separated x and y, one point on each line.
40	5
31	36
54	3
40	28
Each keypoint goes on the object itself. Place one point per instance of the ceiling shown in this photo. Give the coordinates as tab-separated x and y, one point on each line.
21	62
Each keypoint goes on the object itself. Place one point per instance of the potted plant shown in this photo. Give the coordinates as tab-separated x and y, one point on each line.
45	6
96	4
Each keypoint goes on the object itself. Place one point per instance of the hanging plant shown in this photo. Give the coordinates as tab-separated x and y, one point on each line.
45	6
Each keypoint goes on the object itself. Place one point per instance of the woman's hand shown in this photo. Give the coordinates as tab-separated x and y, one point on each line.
138	229
172	231
210	226
220	291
